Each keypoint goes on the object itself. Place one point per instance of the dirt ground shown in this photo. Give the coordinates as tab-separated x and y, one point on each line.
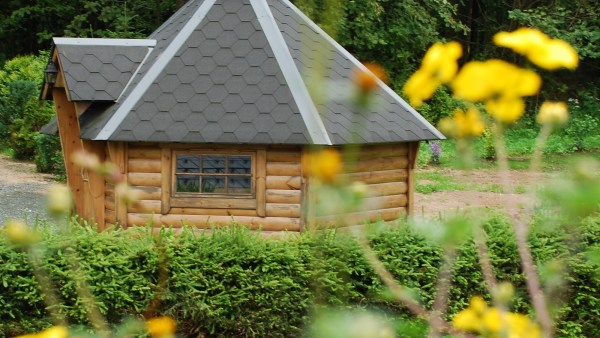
518	194
22	191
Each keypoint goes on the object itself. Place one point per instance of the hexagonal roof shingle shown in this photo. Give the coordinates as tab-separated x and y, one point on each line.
232	71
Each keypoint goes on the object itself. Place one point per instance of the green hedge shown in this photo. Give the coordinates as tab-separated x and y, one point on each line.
236	284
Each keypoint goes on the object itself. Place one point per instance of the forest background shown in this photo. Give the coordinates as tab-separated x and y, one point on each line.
394	34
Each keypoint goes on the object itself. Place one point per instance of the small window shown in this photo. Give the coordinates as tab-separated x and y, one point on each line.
214	174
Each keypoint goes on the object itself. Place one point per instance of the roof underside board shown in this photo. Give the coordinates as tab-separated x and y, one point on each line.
221	73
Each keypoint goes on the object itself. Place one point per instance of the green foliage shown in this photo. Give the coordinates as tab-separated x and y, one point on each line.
21	113
233	283
48	155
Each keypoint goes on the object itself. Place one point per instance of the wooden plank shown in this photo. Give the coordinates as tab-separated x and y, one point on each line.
383	176
110	203
118	154
207	221
94	185
385	202
109	189
261	173
378	164
283	210
214	212
292	155
361	217
284	169
149	193
166	177
284	182
138	165
284	196
379	151
68	128
145	207
147	153
145	179
213	202
412	159
110	216
385	189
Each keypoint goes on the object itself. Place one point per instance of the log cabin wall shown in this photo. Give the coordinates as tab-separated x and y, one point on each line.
278	169
386	170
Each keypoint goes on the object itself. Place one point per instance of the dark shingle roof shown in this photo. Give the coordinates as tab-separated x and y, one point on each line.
98	72
236	71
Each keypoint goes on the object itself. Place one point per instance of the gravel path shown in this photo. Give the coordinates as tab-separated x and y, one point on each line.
22	190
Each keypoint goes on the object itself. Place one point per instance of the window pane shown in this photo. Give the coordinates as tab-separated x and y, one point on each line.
187	183
240	165
213	184
188	164
213	164
240	185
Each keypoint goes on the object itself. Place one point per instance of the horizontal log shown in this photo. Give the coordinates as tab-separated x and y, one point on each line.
292	156
383	150
213	212
283	196
143	165
110	216
149	193
283	210
109	203
284	169
385	202
378	164
386	189
147	153
109	189
383	176
204	221
144	179
284	182
145	207
361	217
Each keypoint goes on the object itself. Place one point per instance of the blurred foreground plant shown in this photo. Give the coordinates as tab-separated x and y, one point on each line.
494	93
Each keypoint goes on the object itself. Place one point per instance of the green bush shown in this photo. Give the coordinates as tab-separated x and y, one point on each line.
48	155
233	283
21	112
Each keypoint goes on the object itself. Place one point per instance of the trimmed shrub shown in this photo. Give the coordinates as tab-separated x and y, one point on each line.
233	283
48	155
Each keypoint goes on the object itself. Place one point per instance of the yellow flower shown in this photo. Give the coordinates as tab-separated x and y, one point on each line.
324	164
86	160
553	113
492	320
53	332
439	66
540	49
506	109
467	320
161	327
420	87
480	80
59	199
440	60
463	124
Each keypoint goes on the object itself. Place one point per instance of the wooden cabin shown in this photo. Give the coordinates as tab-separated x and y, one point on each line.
211	114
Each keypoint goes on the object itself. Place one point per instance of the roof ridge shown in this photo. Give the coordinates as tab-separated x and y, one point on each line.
155	70
308	110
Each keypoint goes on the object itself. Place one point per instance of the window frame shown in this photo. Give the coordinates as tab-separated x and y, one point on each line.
173	199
